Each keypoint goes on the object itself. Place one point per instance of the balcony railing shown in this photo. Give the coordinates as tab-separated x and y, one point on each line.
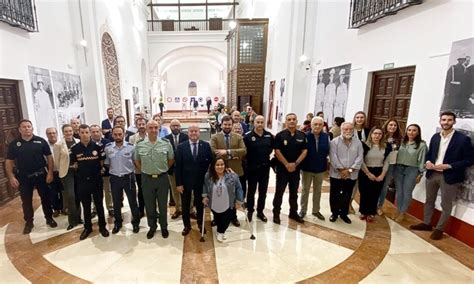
365	12
19	13
216	24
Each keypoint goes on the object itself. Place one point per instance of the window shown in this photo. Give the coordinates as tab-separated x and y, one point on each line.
251	44
19	13
365	12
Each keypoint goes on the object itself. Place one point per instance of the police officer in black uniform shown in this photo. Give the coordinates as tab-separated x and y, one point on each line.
88	158
290	150
28	154
259	143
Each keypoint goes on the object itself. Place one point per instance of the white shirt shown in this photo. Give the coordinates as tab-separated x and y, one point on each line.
191	145
443	145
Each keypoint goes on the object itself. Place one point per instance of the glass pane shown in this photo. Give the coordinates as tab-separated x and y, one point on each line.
223	12
251	44
193	1
166	13
165	1
193	13
218	1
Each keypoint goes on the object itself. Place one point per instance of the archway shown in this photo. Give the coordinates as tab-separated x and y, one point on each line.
111	71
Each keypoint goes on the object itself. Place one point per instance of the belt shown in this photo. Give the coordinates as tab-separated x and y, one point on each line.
155	175
36	174
121	176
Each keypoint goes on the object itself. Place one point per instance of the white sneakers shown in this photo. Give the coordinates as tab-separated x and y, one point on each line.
220	237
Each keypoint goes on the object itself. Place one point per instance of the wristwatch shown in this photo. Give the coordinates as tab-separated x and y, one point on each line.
350	170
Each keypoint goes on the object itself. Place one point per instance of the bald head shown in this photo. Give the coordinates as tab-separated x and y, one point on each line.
194	132
259	123
52	135
175	127
236	116
75	123
152	129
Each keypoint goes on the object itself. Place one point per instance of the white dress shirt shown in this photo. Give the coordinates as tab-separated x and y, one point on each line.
443	145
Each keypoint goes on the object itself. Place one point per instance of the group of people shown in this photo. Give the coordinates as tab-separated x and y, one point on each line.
146	161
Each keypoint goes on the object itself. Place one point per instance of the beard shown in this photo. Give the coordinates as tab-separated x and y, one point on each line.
175	131
118	141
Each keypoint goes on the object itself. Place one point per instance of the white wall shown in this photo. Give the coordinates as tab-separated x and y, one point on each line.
125	21
53	48
206	76
285	37
420	35
56	47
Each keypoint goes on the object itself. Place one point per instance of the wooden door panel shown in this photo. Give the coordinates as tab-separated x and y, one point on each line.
390	96
10	114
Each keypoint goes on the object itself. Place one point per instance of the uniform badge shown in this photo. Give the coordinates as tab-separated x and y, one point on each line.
285	142
18	144
253	139
94	153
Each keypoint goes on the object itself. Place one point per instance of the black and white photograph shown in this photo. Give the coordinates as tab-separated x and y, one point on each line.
67	89
42	91
332	91
136	103
459	98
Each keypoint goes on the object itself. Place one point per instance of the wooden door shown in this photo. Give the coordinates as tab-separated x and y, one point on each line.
10	114
390	96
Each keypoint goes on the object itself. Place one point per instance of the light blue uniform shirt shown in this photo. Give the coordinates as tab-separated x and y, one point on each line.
120	159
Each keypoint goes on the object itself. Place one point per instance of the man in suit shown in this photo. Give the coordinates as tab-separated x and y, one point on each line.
231	147
108	123
176	137
192	162
449	154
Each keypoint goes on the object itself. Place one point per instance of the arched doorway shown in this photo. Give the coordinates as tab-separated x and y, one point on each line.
112	80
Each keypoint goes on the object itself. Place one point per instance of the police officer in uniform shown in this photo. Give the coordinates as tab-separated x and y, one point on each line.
119	158
154	156
27	154
88	159
290	150
259	143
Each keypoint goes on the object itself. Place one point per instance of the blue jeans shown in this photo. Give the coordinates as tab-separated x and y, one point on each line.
405	181
388	178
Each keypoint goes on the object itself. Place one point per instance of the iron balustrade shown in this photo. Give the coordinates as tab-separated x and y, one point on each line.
19	13
365	12
188	25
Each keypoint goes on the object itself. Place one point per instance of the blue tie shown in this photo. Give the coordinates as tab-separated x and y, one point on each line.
194	151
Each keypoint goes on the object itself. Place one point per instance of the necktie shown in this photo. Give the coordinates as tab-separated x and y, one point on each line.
227	142
194	151
175	141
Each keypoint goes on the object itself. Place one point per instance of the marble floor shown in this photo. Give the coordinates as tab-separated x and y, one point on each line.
315	252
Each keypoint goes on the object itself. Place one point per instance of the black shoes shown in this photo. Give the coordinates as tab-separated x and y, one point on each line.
296	217
165	233
186	231
51	223
116	229
151	233
302	214
85	234
319	216
276	219
346	219
104	232
262	217
70	227
93	214
236	222
421	227
176	214
333	218
28	227
136	229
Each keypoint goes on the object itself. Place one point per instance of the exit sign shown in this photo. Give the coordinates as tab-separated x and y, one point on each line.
388	65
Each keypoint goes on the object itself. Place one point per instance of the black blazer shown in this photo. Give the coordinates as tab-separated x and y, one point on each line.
182	137
189	172
459	155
